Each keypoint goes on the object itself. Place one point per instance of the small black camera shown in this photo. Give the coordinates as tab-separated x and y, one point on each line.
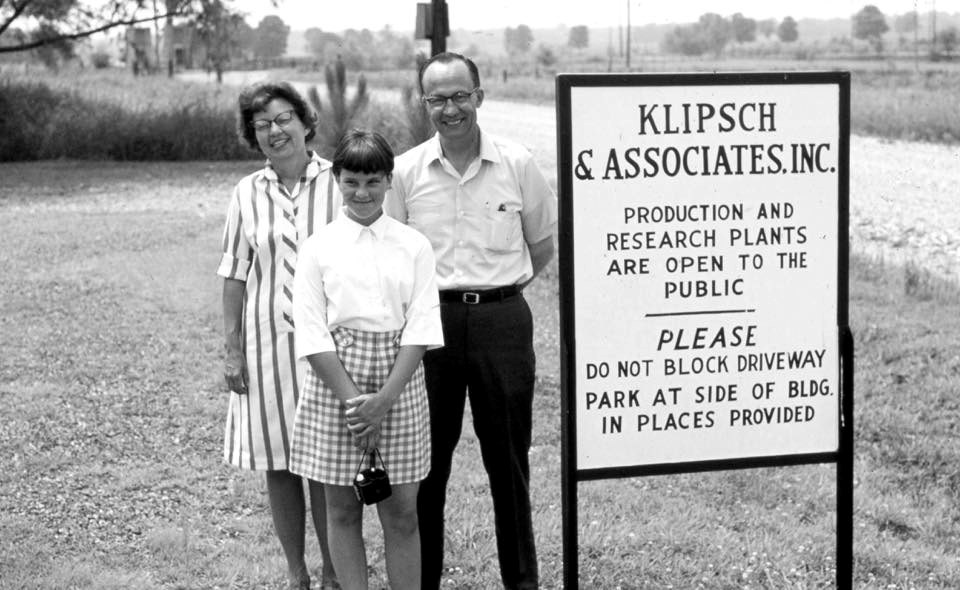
372	484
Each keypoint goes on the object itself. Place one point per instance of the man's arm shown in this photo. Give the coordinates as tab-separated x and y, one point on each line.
540	254
538	215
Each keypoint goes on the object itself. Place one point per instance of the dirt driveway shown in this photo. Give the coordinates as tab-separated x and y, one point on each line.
904	196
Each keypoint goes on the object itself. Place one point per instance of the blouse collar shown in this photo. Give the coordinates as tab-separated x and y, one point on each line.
353	230
315	165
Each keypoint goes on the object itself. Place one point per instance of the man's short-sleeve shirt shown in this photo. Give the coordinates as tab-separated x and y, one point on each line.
480	223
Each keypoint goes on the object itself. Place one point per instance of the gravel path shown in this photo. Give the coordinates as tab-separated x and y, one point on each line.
904	196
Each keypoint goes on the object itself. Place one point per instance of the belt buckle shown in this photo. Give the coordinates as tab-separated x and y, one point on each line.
471	298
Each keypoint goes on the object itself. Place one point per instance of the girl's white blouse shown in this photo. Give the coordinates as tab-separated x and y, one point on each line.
375	278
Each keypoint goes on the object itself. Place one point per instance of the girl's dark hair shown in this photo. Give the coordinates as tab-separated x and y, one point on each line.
254	99
363	151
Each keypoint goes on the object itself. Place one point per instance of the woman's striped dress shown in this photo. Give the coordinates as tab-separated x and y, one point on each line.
265	226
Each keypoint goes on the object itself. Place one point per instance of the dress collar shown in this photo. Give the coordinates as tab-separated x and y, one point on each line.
315	165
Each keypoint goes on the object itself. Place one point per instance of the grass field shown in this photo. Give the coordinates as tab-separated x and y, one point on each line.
113	405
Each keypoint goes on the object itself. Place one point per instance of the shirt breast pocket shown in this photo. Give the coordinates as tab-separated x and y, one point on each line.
504	233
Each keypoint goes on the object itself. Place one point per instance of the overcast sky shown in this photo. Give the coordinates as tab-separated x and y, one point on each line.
497	14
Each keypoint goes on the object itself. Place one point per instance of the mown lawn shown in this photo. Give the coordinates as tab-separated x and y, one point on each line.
112	414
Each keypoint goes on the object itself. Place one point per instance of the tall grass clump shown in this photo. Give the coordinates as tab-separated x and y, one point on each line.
107	115
418	125
194	131
387	119
27	106
340	113
908	105
404	125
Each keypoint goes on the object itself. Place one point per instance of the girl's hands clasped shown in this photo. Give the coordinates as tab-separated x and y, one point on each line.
367	442
365	413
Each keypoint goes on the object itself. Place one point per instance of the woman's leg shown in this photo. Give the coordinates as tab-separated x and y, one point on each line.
401	536
318	510
285	491
345	531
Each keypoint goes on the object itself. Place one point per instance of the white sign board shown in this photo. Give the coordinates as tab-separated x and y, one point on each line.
705	271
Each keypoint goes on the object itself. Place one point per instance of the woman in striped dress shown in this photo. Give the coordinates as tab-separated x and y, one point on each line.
270	214
366	308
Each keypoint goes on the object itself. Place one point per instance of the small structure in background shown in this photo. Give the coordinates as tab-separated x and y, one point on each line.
138	47
141	57
188	52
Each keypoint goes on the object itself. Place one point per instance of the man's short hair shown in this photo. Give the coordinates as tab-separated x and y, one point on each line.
448	57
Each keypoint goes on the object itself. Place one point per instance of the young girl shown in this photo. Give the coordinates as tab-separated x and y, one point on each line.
365	308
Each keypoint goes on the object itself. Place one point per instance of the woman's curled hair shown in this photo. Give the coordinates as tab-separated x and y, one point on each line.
255	98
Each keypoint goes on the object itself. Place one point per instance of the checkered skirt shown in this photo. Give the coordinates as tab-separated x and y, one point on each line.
322	447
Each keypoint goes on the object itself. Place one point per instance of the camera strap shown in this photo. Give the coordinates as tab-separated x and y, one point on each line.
374	455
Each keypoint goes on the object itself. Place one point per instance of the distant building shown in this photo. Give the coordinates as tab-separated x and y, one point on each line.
141	56
188	51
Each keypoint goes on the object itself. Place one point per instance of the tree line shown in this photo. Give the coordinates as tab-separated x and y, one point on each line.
713	33
51	28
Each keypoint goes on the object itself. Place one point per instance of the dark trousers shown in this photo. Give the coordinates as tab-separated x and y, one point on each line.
488	351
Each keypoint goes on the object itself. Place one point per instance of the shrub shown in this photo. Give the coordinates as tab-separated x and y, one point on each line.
918	106
341	114
108	117
100	59
418	125
21	131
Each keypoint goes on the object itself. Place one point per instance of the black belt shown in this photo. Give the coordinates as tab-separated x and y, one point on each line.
477	297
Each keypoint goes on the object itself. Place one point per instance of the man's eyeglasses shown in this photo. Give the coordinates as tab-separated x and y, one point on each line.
437	101
283	119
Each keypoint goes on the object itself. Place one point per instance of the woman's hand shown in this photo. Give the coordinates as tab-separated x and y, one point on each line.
235	371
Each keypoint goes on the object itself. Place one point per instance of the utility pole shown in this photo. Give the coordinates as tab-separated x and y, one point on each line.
156	37
916	37
933	28
628	35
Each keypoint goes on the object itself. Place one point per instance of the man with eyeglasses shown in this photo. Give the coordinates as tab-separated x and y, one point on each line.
490	216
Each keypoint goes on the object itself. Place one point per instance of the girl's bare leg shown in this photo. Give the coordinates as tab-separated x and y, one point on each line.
401	536
345	533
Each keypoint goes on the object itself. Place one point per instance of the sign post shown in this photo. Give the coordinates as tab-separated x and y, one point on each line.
703	264
433	22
